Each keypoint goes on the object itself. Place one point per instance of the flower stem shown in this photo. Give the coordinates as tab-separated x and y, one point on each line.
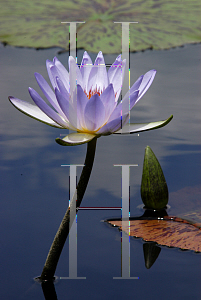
64	228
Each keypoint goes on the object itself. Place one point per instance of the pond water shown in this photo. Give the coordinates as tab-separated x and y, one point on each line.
35	188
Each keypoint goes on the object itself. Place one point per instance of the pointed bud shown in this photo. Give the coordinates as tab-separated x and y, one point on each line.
154	190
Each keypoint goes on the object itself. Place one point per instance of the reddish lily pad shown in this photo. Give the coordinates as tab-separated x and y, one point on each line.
167	231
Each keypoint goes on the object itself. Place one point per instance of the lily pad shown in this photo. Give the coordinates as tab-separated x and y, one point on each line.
162	23
168	231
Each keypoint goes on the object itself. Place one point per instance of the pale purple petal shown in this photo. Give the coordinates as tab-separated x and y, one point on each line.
47	91
50	64
146	82
62	88
46	109
74	139
134	87
94	113
82	101
118	110
108	128
75	76
142	84
114	69
116	75
114	125
85	69
137	84
63	103
134	98
70	114
98	78
32	111
66	105
108	99
63	73
123	68
55	74
56	69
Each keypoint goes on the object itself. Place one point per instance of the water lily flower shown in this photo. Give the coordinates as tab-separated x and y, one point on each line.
85	99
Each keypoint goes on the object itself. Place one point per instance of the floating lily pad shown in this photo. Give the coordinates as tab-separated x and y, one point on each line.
169	231
162	23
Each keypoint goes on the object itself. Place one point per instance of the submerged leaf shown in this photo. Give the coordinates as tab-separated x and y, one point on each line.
151	253
169	231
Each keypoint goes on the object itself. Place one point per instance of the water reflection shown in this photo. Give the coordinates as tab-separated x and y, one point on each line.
151	252
49	291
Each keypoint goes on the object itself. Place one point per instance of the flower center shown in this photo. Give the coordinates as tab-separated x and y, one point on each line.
91	93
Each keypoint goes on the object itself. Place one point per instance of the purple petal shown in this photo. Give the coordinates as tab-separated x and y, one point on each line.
113	126
47	91
94	113
116	75
75	76
62	88
118	110
108	128
123	68
63	73
98	78
114	69
63	102
56	69
137	84
134	98
134	87
108	99
46	109
55	74
50	64
66	107
32	111
85	69
82	101
146	82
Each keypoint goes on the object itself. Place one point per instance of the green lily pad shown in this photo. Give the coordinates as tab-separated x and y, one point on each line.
162	23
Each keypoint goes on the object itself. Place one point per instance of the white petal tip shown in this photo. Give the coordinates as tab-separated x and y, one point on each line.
134	128
74	139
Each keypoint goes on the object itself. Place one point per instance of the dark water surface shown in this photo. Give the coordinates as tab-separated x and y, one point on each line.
35	188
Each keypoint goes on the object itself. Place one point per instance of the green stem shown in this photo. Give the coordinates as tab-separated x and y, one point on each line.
64	228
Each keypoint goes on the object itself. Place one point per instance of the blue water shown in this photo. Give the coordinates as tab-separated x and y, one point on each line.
34	187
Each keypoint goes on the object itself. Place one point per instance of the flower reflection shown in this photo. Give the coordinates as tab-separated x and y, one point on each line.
85	99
